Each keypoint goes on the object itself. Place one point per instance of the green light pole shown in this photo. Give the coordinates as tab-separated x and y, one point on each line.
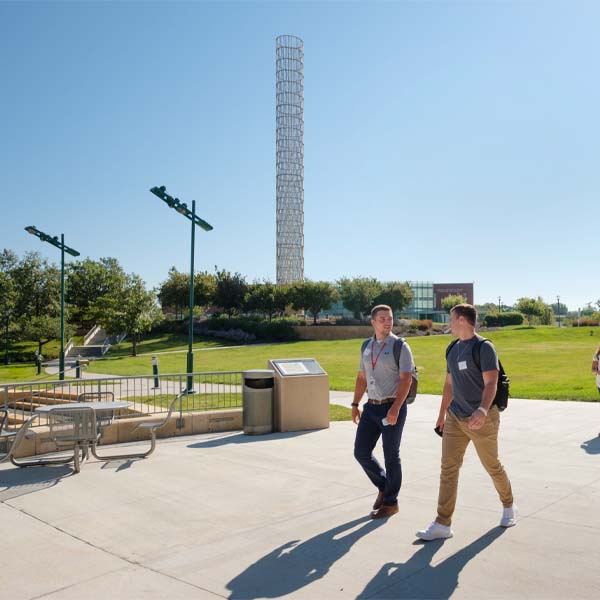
61	246
161	192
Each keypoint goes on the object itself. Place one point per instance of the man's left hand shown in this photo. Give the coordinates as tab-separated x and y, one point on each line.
476	420
392	415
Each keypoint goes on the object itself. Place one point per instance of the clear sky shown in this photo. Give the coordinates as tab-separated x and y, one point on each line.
444	141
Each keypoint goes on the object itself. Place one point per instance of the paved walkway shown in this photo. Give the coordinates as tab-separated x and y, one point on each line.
286	515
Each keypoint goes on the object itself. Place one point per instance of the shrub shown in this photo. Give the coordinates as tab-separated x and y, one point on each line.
585	322
278	330
422	325
503	319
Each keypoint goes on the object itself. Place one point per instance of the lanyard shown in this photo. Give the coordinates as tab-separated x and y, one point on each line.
374	362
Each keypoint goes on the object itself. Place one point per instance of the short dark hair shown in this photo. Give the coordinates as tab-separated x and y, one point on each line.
468	311
379	308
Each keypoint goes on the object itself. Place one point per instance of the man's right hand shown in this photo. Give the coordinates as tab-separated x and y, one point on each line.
440	422
355	415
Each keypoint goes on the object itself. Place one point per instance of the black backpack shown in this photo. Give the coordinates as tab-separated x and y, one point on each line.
414	384
502	387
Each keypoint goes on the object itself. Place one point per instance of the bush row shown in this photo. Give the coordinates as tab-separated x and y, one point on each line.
503	319
278	330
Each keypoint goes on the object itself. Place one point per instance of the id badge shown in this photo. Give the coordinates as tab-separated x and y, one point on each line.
462	365
371	381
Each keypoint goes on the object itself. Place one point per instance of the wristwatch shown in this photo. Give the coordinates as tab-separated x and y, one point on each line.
483	410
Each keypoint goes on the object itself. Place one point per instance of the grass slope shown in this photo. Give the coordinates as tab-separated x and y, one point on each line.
542	362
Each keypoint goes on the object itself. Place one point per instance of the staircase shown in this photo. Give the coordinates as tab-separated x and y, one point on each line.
95	344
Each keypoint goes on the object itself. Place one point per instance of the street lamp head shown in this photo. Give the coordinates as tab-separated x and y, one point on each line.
31	229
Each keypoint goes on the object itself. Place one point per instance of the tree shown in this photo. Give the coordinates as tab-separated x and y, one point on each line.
230	291
37	286
530	307
266	298
313	296
7	303
205	287
396	295
134	311
449	302
44	328
86	281
358	294
175	291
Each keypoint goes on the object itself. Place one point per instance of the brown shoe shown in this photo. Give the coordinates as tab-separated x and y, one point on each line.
384	512
378	501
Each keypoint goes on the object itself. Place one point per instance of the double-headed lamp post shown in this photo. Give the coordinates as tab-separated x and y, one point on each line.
182	209
60	244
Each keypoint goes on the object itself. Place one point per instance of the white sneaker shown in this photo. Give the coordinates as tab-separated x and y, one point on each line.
435	531
509	517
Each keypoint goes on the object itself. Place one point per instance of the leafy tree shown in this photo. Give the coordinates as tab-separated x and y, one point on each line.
175	291
44	328
449	302
37	286
396	295
313	296
205	287
230	291
134	311
266	298
358	294
7	301
86	281
530	307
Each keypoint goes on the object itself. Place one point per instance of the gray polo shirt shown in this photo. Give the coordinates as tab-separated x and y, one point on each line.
467	380
382	382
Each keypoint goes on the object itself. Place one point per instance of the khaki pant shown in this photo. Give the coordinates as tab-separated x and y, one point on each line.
457	436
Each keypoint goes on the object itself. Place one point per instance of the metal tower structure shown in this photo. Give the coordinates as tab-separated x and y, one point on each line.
290	158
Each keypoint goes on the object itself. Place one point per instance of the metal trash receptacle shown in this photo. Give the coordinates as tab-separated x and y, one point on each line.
257	401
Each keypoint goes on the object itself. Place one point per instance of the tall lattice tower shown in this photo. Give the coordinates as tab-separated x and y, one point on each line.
290	158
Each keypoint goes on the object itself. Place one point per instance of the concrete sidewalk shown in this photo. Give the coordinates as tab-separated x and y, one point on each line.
227	515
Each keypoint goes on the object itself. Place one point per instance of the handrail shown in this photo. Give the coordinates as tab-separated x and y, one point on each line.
90	334
69	346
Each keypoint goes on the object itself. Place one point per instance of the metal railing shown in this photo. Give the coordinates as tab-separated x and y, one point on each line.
69	346
215	390
90	334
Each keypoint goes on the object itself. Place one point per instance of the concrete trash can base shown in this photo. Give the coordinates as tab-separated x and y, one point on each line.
257	401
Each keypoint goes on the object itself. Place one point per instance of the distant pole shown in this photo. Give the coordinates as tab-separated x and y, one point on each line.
579	317
499	304
190	355
558	308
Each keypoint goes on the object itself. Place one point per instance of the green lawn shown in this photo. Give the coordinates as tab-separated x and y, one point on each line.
543	362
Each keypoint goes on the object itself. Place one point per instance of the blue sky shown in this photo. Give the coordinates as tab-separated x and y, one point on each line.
444	141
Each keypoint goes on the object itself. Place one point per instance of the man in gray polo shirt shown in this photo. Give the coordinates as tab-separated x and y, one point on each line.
467	415
384	414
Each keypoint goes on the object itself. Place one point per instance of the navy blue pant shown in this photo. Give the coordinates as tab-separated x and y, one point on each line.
370	429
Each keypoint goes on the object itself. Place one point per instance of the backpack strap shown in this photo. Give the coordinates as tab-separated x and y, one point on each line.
398	343
477	352
364	345
450	346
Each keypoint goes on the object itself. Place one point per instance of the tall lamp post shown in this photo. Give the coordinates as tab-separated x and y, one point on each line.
558	308
499	304
181	208
63	248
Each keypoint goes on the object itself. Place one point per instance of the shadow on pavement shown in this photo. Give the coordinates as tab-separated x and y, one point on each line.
438	581
240	438
297	564
592	446
22	481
